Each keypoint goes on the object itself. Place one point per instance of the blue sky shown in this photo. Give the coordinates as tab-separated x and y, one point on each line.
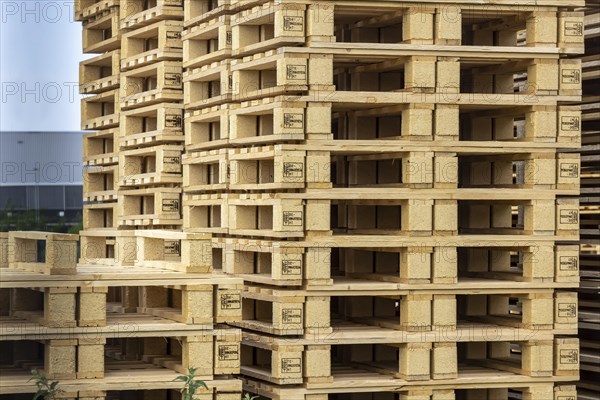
40	50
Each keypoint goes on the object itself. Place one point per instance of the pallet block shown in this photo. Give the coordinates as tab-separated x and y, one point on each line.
152	125
274	73
155	83
218	302
100	183
100	215
282	316
58	258
277	263
139	13
160	41
206	171
565	310
100	111
87	9
100	73
275	119
205	213
149	207
91	306
207	128
207	42
208	85
100	148
101	32
571	31
177	251
149	166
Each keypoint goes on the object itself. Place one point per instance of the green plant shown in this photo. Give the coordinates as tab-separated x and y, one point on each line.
45	389
190	385
247	397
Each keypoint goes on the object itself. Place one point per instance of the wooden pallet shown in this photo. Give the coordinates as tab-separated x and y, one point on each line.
100	184
159	206
150	166
138	13
206	171
100	216
59	255
151	125
284	313
85	358
101	32
271	74
100	111
197	12
205	213
100	148
207	128
207	42
288	363
208	85
155	83
100	73
165	45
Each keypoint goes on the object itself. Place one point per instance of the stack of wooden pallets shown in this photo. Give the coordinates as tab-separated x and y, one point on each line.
389	181
385	178
141	304
589	300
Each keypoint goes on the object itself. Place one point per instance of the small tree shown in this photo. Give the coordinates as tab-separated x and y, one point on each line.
45	389
190	385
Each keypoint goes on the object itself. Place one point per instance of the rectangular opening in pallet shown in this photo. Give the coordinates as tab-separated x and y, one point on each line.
207	43
152	206
207	86
198	11
101	32
138	13
151	165
209	354
100	73
47	253
263	28
101	215
151	125
100	148
155	83
99	183
205	215
206	128
147	45
206	171
192	304
100	111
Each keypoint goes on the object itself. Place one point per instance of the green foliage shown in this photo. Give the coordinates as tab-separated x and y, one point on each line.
247	397
190	385
45	389
37	220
